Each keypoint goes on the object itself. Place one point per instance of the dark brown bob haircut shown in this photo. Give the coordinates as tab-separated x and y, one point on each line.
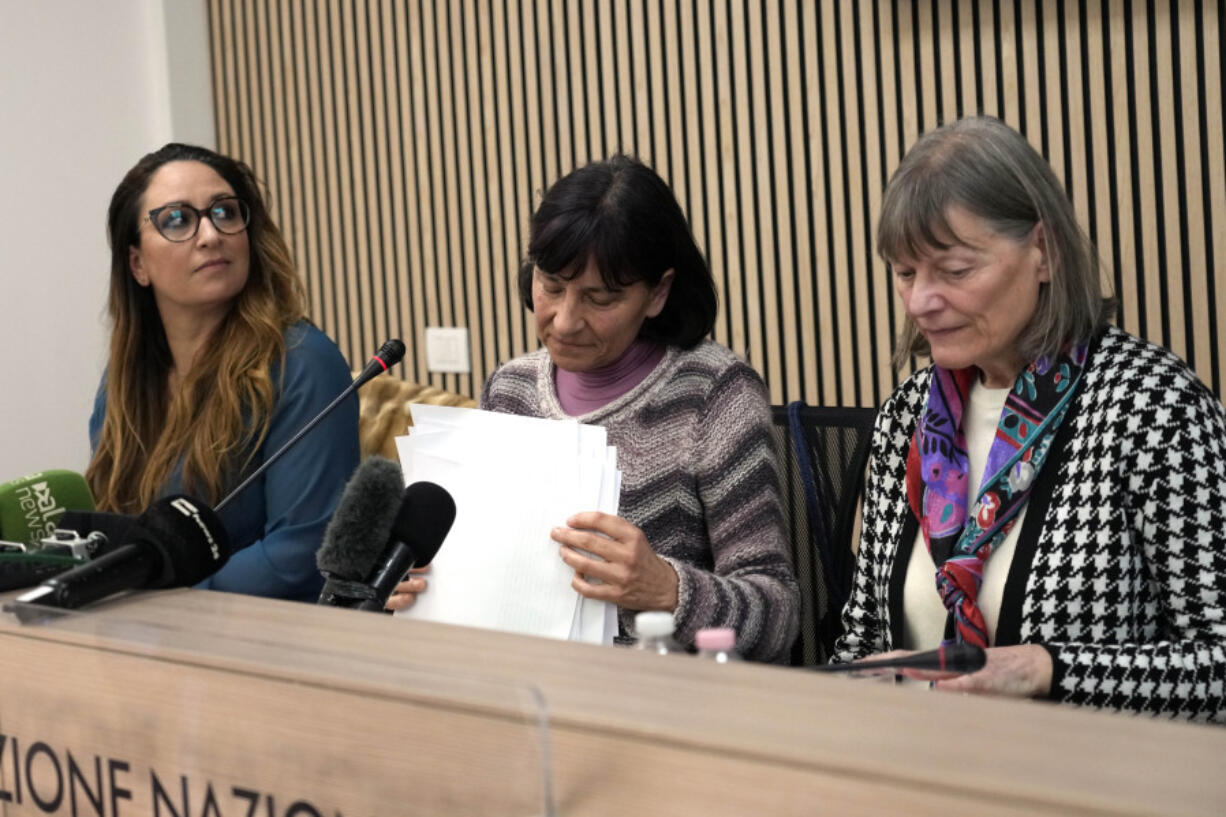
621	215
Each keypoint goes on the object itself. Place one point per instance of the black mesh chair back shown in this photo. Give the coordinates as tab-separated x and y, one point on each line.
823	455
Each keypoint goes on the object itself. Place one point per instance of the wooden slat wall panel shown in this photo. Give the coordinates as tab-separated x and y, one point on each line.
405	143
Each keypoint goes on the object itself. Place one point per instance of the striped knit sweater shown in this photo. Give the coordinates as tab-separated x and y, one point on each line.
699	478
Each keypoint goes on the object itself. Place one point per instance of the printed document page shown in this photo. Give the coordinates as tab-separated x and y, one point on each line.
513	480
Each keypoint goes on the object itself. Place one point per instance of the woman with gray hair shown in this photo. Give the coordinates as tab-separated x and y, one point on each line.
1086	463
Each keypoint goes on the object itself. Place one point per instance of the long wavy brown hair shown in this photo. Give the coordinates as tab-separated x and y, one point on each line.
213	425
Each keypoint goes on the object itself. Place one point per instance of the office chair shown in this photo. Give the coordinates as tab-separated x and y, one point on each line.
823	455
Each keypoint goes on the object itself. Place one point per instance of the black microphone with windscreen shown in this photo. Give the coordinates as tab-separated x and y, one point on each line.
20	569
360	527
389	354
178	541
425	516
948	658
379	533
113	527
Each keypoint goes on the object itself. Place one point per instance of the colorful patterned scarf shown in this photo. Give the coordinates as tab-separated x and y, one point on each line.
960	543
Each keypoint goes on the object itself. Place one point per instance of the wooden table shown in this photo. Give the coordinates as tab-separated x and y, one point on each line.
202	703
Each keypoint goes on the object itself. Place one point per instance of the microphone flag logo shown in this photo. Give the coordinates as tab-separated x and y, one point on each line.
185	507
40	507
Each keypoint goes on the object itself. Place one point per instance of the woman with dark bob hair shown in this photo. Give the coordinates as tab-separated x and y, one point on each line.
213	366
1086	463
623	302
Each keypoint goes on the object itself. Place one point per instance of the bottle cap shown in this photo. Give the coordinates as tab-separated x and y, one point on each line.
654	624
715	638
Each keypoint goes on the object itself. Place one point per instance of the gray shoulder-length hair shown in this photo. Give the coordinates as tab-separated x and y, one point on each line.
988	169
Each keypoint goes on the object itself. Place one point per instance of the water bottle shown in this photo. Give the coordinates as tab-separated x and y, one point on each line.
717	644
655	632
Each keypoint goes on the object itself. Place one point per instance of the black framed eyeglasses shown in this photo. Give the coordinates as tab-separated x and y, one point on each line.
180	222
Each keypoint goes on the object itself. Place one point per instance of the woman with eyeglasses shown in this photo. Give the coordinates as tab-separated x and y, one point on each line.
213	366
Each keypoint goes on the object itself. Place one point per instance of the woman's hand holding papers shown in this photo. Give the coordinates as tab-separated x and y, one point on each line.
406	592
627	571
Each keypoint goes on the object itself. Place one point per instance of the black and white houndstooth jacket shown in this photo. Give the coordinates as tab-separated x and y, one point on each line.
1120	566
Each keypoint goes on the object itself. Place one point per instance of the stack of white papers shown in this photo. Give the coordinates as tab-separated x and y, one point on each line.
513	480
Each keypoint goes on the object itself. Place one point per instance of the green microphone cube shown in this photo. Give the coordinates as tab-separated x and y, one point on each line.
31	506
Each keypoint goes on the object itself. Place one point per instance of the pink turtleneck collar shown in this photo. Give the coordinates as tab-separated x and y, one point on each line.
583	392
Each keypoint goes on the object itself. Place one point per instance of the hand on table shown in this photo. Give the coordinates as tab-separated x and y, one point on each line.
1021	671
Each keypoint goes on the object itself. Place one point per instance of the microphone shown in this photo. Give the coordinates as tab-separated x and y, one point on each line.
946	658
425	516
178	541
376	536
32	512
389	354
31	506
360	526
78	537
19	568
112	527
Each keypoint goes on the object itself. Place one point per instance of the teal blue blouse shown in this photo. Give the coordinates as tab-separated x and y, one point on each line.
278	522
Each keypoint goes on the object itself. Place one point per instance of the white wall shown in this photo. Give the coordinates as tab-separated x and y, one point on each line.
86	89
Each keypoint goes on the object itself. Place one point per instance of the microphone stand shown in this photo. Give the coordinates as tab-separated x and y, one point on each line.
389	355
950	658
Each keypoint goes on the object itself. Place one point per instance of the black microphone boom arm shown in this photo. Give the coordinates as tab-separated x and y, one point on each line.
389	355
950	658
